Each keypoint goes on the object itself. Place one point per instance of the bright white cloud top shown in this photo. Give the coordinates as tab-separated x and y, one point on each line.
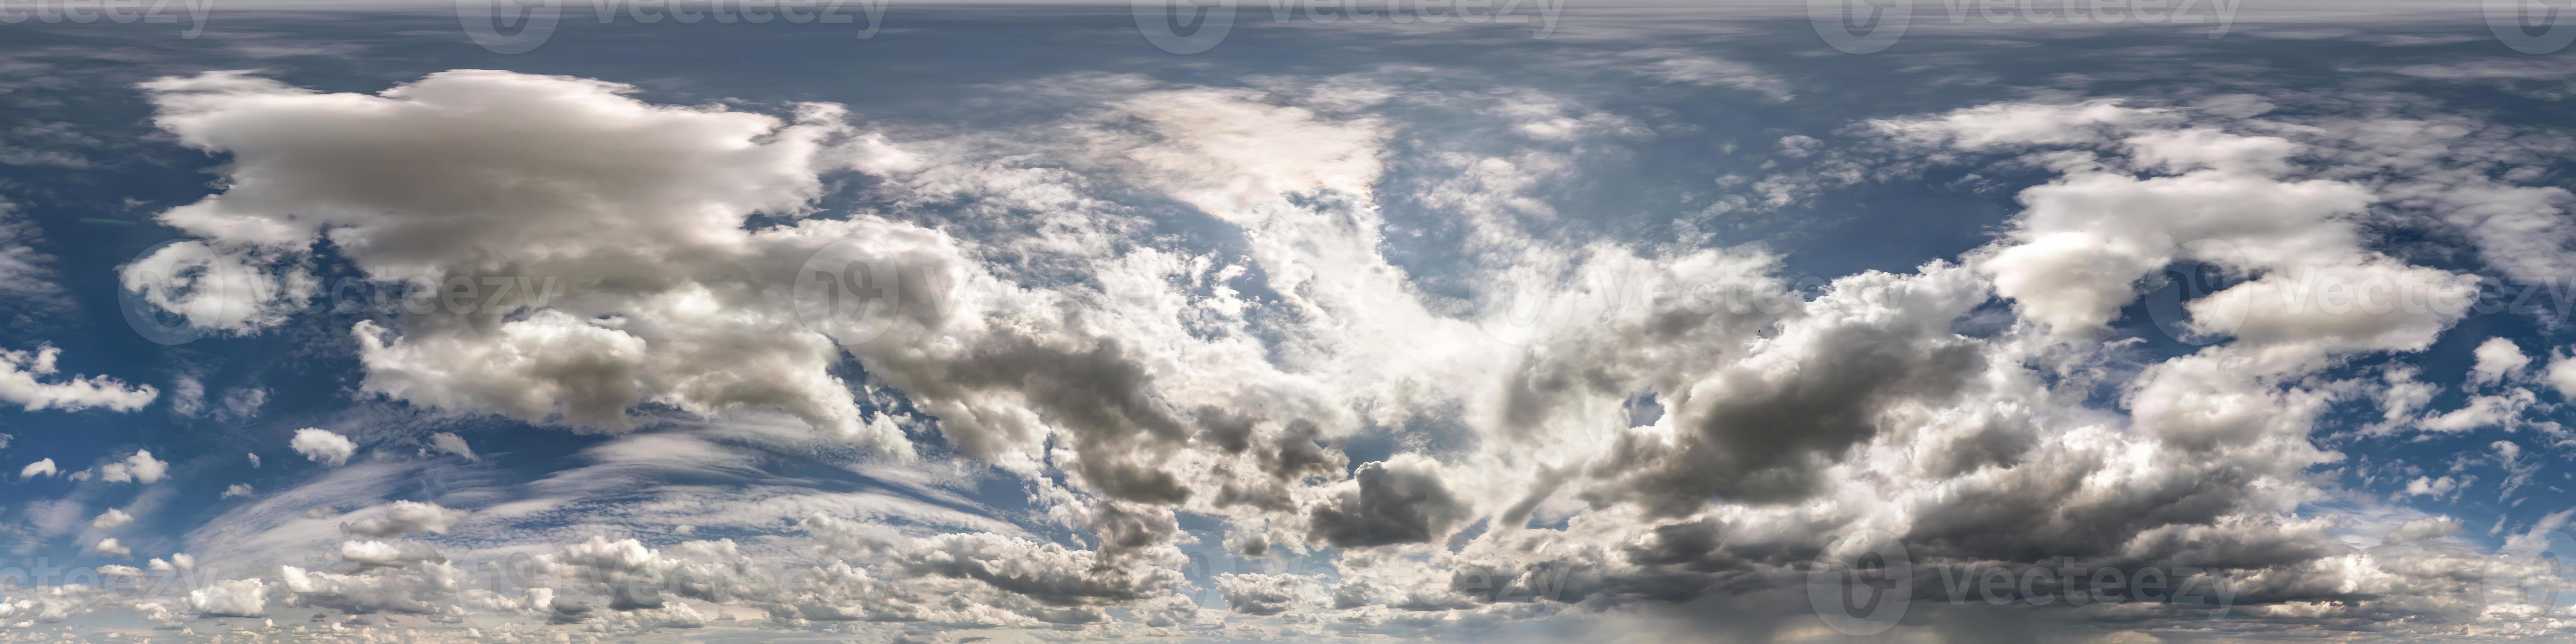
322	446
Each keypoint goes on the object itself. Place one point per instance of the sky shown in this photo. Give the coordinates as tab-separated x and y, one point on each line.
1354	322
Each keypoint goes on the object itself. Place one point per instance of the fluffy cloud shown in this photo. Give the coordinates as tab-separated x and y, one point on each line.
2498	359
321	446
1700	451
231	598
19	385
39	468
404	517
565	182
111	519
139	468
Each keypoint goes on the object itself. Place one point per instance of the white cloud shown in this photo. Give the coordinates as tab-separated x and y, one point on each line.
320	446
404	517
387	554
39	468
1676	66
139	467
231	598
109	547
2430	486
19	385
1125	380
2503	410
187	396
2424	528
449	442
2499	359
238	489
567	180
111	519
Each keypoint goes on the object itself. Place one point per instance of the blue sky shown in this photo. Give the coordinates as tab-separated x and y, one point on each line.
1625	323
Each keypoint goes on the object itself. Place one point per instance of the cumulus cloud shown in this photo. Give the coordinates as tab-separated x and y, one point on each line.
19	384
320	446
237	489
387	554
508	175
139	468
231	598
1960	407
43	467
111	519
404	517
2497	360
110	547
1389	502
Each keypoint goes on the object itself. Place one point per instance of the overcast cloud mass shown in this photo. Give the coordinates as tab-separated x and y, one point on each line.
858	322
